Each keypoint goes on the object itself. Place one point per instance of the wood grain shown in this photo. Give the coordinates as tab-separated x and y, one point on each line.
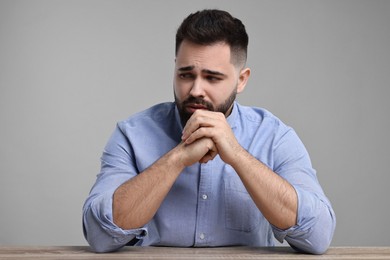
84	252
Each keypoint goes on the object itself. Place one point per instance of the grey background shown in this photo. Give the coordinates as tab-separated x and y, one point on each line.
69	70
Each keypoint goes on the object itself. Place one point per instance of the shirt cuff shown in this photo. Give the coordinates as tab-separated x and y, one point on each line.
101	209
314	226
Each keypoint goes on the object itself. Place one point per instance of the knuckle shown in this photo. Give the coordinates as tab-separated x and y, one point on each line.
220	115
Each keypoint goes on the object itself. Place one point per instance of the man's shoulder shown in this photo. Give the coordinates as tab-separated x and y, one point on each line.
256	114
155	113
255	118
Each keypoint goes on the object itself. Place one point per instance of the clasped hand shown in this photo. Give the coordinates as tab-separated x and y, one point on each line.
207	134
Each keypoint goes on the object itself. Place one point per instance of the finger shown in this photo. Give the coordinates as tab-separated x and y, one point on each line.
200	133
208	156
197	120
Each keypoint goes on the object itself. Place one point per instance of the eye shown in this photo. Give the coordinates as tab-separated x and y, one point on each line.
213	78
186	76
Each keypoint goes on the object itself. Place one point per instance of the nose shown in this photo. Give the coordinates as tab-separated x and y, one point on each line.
197	89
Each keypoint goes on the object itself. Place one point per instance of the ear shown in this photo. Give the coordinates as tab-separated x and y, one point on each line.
243	79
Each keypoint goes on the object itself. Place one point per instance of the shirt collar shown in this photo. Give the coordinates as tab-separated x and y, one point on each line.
232	118
177	117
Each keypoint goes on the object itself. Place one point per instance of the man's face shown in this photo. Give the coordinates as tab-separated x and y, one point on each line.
204	78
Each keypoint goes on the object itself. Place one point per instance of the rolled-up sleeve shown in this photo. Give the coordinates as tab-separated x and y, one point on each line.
315	225
316	220
100	231
117	167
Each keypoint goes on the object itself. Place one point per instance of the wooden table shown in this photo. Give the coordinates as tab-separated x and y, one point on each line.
83	252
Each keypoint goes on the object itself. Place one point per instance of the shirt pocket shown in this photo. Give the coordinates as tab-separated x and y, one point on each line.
241	213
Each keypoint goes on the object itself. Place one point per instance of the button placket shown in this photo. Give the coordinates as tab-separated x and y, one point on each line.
205	184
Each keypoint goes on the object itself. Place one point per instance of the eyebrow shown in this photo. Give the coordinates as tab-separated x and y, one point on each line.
211	72
188	68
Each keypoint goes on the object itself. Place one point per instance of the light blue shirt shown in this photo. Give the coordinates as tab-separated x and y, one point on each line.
208	204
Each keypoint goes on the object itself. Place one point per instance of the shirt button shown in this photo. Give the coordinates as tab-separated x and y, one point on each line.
201	236
204	196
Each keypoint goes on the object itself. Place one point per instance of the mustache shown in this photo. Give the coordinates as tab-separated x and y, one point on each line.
198	101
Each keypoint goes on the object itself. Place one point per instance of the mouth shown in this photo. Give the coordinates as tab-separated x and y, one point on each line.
193	107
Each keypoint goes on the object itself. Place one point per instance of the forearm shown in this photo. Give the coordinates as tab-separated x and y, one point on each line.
95	223
315	227
136	201
274	196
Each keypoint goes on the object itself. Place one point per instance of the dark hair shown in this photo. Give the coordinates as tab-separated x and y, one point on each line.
212	26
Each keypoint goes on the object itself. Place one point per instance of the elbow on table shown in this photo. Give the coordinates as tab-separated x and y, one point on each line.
99	245
318	249
99	240
318	238
318	244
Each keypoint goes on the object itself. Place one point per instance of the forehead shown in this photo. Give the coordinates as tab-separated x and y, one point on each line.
204	56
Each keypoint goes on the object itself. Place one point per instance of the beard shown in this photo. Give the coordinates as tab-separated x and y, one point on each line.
224	108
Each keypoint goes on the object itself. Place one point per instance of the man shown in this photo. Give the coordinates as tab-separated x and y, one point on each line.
204	170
